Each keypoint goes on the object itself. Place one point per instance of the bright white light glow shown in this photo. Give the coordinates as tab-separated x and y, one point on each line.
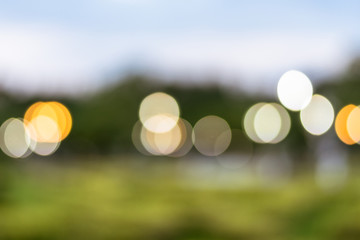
294	90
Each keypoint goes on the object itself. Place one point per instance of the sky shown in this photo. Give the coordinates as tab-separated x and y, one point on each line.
74	46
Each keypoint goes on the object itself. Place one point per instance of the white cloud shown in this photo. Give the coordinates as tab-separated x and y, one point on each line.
43	58
254	59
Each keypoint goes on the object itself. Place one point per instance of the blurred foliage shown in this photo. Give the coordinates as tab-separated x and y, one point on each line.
344	89
103	121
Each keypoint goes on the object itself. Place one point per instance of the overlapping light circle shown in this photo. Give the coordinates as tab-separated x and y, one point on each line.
160	130
51	121
267	123
186	142
136	138
44	126
249	122
294	90
161	143
318	116
211	135
14	138
176	142
347	125
159	112
48	123
285	123
341	126
353	125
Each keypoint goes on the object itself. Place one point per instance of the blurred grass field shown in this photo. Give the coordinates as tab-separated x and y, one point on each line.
155	199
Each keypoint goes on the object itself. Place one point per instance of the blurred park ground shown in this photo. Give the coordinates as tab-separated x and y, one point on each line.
140	199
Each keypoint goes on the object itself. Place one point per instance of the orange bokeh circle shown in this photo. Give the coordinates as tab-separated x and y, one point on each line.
341	124
51	121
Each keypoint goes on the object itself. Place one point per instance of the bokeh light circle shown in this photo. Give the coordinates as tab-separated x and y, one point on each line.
64	119
267	123
14	138
294	90
186	141
285	123
51	121
164	143
249	122
135	137
45	148
159	112
318	116
353	124
211	135
46	129
341	124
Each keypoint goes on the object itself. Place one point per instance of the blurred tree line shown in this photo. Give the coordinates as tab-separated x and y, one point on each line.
103	121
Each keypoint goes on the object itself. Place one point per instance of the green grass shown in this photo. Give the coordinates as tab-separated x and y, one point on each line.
151	199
